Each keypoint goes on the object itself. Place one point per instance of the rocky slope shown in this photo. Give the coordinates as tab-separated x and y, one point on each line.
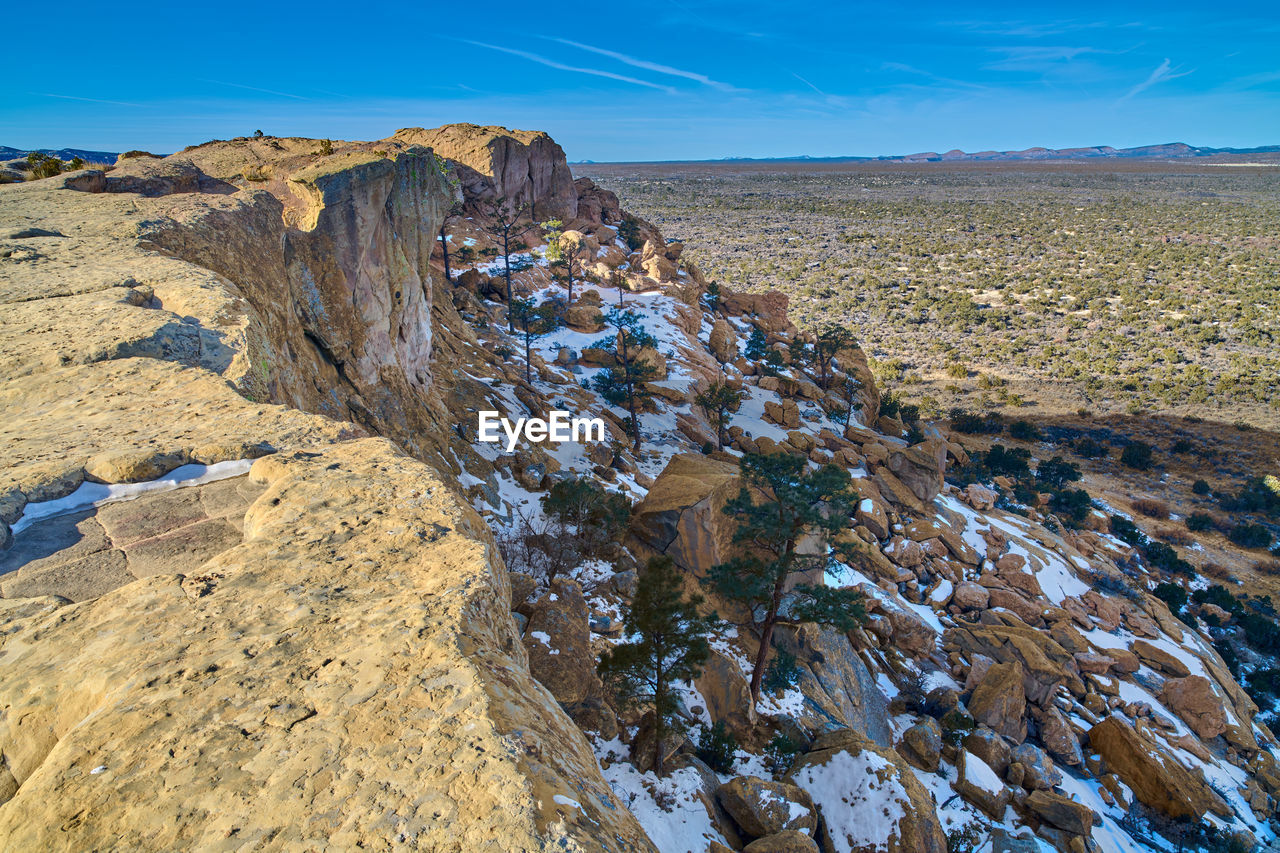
329	646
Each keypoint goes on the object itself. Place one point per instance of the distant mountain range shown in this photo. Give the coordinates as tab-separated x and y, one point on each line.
1167	151
7	153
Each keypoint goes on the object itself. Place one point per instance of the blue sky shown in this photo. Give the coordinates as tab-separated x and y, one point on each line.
669	79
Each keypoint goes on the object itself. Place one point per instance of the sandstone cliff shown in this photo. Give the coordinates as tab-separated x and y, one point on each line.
347	671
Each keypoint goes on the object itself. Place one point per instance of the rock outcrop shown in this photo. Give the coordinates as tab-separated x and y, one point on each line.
1156	777
344	672
524	167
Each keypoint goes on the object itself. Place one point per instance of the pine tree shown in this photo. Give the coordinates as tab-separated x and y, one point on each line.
667	645
848	389
826	346
508	223
719	401
624	383
450	214
791	502
757	344
560	258
595	516
534	321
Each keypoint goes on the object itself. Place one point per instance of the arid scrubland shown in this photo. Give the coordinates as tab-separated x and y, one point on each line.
1032	288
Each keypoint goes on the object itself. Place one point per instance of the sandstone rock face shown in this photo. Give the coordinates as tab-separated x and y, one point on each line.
522	166
1157	779
350	651
859	789
343	306
1195	701
86	554
682	515
837	686
414	705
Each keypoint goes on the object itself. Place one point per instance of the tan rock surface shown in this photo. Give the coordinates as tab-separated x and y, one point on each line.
418	705
345	672
1152	772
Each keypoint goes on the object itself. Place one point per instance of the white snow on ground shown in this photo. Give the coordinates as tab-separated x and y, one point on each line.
859	808
1055	575
96	494
685	826
751	415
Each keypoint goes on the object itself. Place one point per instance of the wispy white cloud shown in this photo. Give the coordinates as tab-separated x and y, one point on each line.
551	63
89	100
651	66
807	83
911	69
1164	72
256	89
1251	80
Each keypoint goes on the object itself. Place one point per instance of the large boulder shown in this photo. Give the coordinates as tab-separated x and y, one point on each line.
762	808
1197	703
838	688
682	516
999	701
787	841
979	784
909	632
920	468
921	745
558	641
1061	812
785	414
869	799
728	695
723	342
991	748
1059	737
1160	659
1155	776
1038	770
